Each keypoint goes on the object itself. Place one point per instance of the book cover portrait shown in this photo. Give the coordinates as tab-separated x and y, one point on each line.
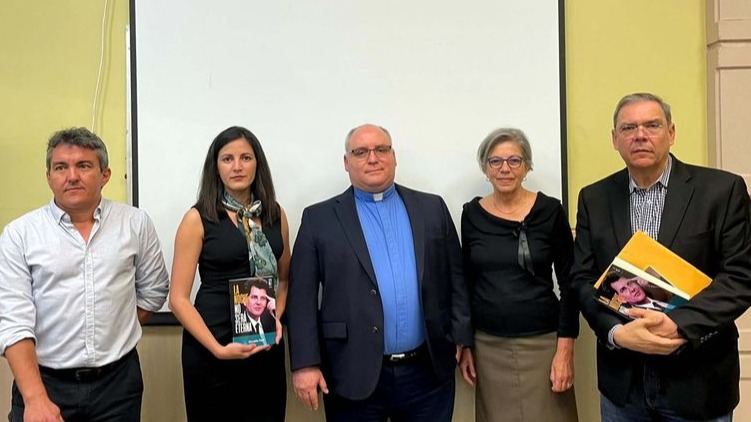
252	307
647	275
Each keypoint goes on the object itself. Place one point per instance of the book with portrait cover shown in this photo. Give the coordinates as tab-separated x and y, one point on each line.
252	310
646	274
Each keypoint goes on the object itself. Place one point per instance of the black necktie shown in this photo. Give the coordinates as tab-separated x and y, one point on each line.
658	306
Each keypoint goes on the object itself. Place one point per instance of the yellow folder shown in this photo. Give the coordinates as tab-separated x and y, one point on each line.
646	254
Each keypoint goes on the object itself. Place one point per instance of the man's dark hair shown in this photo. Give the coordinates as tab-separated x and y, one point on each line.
612	277
260	283
80	137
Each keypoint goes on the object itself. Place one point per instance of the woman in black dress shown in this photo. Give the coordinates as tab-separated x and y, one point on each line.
523	359
233	226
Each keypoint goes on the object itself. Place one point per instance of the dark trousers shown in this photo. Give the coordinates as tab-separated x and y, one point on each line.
252	389
406	392
115	396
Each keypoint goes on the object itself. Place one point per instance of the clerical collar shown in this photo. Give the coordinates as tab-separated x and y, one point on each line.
361	195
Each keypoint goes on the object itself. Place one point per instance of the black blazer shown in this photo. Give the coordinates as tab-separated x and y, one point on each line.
345	336
706	222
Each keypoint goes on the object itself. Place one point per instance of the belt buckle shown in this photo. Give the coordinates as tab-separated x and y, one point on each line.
396	357
86	374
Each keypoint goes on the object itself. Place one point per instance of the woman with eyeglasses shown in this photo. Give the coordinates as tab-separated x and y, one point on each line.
523	361
236	229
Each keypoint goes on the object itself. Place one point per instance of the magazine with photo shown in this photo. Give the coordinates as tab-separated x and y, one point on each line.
252	311
646	274
625	287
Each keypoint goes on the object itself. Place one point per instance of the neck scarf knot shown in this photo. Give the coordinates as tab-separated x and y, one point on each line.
260	254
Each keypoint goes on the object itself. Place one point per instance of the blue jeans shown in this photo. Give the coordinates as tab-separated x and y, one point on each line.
632	412
648	403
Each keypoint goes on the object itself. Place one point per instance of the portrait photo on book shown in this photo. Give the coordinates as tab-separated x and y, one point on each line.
621	290
252	308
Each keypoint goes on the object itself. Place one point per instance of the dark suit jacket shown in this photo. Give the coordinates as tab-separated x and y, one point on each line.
706	222
345	337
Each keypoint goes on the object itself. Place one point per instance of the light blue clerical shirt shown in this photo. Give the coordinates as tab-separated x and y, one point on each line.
388	235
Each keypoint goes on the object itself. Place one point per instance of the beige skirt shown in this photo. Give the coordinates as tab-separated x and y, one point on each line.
513	380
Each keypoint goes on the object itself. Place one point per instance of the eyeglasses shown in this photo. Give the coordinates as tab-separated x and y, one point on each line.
631	129
363	153
514	162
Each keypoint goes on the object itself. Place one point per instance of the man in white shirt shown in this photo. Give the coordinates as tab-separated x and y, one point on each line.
77	277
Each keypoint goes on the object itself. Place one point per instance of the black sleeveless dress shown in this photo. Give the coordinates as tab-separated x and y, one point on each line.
252	389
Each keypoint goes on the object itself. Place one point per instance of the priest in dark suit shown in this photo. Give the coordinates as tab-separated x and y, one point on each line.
377	308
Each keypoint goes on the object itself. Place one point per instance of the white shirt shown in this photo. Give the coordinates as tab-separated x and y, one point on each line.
257	326
78	300
653	304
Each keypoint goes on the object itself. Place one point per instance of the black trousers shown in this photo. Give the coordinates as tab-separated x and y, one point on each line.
115	395
252	389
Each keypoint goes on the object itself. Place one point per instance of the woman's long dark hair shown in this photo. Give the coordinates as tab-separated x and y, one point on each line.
209	202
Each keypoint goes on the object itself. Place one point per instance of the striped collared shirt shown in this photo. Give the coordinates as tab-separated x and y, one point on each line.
645	210
646	205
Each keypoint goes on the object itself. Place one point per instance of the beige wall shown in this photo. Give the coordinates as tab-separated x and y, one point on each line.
50	53
729	101
50	56
618	47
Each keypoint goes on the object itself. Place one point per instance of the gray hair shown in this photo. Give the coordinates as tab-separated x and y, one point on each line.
354	129
80	137
639	97
499	136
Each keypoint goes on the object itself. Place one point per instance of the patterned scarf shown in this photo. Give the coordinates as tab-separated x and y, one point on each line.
260	255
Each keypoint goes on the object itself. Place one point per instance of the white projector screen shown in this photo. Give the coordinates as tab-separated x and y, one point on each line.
439	75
